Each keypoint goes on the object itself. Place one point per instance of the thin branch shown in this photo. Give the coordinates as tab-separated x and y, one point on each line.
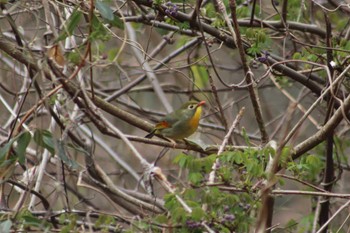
212	84
216	164
328	177
111	152
333	216
249	77
165	60
320	135
151	76
158	174
310	193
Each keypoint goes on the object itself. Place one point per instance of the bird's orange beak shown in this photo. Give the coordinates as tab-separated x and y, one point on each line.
201	103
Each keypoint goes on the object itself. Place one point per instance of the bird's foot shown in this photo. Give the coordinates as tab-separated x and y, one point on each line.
187	142
173	142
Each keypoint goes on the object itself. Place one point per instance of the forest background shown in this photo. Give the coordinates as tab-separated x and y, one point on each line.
82	83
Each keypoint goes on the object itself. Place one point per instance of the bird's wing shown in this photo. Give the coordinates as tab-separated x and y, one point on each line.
167	122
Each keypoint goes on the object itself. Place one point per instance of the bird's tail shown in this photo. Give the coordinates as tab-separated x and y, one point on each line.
151	134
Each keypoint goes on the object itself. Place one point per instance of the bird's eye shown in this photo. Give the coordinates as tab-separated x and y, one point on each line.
191	106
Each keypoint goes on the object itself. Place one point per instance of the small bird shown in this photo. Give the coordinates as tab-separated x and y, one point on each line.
180	123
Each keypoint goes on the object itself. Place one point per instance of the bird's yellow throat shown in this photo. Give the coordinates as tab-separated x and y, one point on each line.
196	117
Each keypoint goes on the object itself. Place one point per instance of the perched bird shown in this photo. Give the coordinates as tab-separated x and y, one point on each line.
180	123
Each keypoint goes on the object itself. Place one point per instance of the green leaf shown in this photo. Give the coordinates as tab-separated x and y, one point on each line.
183	160
245	136
71	25
201	75
297	56
312	57
6	148
291	225
261	36
242	12
209	10
225	174
22	144
141	226
7	162
250	33
253	168
161	219
5	226
61	152
27	219
238	158
285	156
184	26
343	42
170	201
254	50
232	157
44	139
204	164
283	81
99	31
212	195
74	57
31	220
197	213
117	22
190	194
104	10
195	177
312	159
179	214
